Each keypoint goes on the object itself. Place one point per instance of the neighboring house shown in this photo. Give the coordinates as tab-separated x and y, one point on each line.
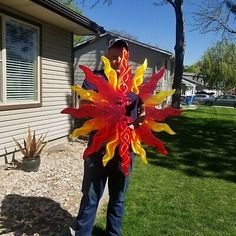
89	54
36	67
232	91
192	83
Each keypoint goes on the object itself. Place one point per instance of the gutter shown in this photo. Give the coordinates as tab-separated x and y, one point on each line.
71	15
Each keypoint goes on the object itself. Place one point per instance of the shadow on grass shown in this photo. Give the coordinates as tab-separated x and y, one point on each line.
22	215
98	231
201	147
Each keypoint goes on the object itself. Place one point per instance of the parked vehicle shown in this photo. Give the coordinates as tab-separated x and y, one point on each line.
201	98
211	93
222	100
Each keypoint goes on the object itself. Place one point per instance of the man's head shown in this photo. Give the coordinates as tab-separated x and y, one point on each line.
118	43
114	52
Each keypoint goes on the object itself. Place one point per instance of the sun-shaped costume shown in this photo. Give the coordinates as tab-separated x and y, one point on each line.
106	110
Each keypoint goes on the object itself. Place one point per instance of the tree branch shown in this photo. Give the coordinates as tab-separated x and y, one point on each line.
172	3
216	16
209	19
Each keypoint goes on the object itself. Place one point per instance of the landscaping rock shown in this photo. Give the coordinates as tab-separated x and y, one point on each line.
44	202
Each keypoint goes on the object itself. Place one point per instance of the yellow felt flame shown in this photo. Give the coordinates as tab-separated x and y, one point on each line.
110	149
89	95
137	147
90	125
109	72
138	77
159	127
158	98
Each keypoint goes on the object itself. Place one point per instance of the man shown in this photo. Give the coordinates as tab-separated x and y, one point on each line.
96	175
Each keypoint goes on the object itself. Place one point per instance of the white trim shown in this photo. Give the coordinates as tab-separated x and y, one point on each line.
3	100
188	83
4	91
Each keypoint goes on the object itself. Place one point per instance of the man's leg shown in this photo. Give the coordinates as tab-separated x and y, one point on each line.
117	185
93	186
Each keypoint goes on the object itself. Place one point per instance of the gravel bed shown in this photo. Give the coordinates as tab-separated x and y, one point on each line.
45	202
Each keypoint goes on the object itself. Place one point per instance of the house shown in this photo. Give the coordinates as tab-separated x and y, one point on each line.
36	67
89	54
232	91
192	83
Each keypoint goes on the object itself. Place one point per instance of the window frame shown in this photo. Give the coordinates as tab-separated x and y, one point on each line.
4	105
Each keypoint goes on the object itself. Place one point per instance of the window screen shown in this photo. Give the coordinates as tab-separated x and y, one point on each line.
21	61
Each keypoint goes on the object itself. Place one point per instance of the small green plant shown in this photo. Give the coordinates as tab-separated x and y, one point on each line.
32	147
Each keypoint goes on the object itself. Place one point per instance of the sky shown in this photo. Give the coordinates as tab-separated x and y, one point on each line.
154	25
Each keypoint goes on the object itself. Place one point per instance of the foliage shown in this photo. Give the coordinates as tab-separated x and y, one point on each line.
231	6
72	4
192	191
216	16
32	148
218	66
194	68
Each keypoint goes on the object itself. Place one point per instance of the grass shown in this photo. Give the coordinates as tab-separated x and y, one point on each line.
192	191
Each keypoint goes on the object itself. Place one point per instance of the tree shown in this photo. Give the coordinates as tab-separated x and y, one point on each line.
194	68
72	4
109	2
218	66
216	16
179	49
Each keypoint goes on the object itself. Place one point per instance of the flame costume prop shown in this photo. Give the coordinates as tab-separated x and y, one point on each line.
106	112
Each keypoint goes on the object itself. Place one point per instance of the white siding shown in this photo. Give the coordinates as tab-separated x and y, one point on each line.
56	94
89	56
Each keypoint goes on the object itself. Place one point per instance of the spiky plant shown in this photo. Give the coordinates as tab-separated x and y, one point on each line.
32	147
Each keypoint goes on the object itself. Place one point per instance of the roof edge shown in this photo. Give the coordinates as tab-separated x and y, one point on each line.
71	15
140	43
86	42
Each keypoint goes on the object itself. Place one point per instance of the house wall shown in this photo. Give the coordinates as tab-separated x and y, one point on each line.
90	55
56	74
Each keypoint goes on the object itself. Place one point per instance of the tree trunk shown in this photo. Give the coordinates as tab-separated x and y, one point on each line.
179	54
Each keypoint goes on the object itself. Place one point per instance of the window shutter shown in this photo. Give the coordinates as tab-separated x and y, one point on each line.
21	62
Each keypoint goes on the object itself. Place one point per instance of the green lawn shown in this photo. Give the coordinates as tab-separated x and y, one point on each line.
193	190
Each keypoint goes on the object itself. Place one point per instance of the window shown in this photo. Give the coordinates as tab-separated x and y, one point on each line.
1	74
19	63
